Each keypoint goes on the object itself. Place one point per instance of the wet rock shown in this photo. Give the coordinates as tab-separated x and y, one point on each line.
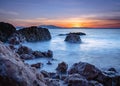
45	73
49	53
27	56
85	69
37	65
49	63
73	38
52	82
14	72
77	80
37	54
24	50
16	38
62	67
112	69
95	83
6	30
12	47
77	33
34	34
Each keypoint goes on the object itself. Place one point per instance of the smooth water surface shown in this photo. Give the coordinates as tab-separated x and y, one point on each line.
100	47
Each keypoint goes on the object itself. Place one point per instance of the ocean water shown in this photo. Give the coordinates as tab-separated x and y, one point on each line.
100	47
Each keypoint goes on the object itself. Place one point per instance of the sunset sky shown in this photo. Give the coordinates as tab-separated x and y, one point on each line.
65	13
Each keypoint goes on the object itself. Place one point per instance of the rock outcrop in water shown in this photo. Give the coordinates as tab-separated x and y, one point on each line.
13	72
73	38
6	30
34	34
76	33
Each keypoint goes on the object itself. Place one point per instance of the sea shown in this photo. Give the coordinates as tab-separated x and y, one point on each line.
100	47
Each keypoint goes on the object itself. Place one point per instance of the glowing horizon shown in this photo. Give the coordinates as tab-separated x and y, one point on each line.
63	13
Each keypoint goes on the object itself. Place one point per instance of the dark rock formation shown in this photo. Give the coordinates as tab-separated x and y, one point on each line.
14	72
38	54
49	53
45	73
76	33
62	67
27	56
24	50
85	69
49	63
6	30
16	38
78	80
37	65
34	34
73	38
52	82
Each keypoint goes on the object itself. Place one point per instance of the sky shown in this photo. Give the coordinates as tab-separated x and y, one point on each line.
65	13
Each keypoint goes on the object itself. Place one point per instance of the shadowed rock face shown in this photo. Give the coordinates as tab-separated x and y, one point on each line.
73	38
34	34
14	72
6	30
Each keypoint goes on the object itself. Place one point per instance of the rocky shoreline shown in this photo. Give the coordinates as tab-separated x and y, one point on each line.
15	72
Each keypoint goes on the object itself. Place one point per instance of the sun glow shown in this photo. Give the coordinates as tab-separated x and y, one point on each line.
76	25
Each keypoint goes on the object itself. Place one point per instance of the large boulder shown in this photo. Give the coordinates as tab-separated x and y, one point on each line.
14	72
73	38
34	34
6	30
85	69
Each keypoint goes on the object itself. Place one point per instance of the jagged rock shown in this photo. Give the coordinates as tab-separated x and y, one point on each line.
52	82
6	30
14	72
49	53
73	38
37	54
45	73
34	34
85	69
24	50
62	67
77	80
27	56
112	69
37	65
16	38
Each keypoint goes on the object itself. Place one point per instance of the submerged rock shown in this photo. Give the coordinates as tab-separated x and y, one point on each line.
34	34
73	38
37	65
6	30
14	72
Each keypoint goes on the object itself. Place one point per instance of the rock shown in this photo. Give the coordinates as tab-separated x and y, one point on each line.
77	33
6	30
14	72
49	63
16	38
85	69
27	56
12	47
77	80
95	83
24	50
37	54
52	82
34	34
37	65
62	67
112	69
45	73
49	53
73	38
